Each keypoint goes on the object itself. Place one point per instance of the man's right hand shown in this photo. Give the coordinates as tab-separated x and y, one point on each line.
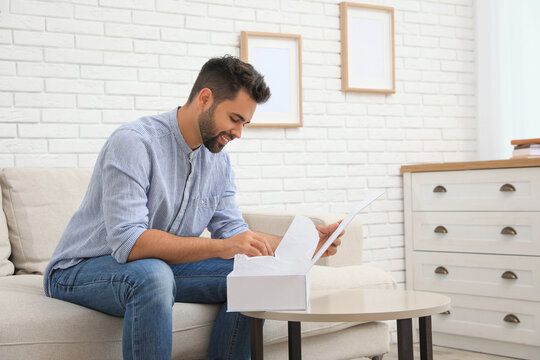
249	243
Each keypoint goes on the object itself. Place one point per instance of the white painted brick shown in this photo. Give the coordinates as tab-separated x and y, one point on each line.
277	17
6	99
48	131
87	160
260	159
129	59
71	26
159	47
45	100
282	172
282	146
460	44
347	158
404	146
304	7
23	146
104	102
247	172
306	158
38	160
208	24
325	170
102	43
329	146
47	70
356	133
41	8
439	99
305	133
243	145
282	197
8	130
420	18
259	27
128	4
5	37
179	90
132	88
459	134
10	52
102	14
304	184
229	12
424	157
346	183
171	76
132	31
122	116
7	68
75	56
459	157
363	170
209	50
185	36
267	4
42	39
71	116
225	39
386	134
15	84
159	19
422	88
459	89
260	185
365	145
13	21
19	115
386	157
248	198
108	73
155	103
7	160
75	146
184	8
456	21
96	131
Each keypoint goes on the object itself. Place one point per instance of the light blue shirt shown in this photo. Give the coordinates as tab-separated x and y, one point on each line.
147	177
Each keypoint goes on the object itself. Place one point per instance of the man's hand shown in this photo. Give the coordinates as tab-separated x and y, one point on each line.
324	234
249	243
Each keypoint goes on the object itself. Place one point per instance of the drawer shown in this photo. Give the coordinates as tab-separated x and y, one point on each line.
484	317
477	190
514	233
474	274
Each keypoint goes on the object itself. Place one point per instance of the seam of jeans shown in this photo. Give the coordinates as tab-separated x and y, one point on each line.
93	282
199	276
233	337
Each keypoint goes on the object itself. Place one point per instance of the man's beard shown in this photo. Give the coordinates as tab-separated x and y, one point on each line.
207	127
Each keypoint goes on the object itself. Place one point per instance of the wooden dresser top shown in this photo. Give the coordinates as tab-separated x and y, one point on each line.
472	165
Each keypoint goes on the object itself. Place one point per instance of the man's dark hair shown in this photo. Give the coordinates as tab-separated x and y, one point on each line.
225	76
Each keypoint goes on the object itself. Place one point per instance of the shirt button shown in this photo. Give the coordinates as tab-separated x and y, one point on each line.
202	202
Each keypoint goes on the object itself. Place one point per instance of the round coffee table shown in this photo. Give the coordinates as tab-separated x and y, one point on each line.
359	305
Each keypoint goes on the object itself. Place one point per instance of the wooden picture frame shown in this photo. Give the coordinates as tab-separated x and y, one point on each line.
279	58
367	48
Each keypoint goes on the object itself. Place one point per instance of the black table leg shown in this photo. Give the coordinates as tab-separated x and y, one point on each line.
405	339
295	341
256	329
426	345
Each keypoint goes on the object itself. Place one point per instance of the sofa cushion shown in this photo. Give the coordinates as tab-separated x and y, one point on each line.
38	203
6	266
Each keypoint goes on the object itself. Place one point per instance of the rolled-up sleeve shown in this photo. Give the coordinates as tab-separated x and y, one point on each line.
126	168
227	220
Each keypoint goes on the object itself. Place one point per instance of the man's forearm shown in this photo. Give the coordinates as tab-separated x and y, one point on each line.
173	249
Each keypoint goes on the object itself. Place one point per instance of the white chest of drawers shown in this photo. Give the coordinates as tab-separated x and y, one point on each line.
472	232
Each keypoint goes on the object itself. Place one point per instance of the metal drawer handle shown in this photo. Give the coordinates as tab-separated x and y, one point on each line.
510	275
511	318
441	270
439	188
508	231
440	230
447	312
507	187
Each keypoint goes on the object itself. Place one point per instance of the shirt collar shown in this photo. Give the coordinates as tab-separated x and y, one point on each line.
184	147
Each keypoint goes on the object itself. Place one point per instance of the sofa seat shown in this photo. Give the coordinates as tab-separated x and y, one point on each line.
51	328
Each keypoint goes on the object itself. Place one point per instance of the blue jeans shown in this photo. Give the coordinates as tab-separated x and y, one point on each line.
144	291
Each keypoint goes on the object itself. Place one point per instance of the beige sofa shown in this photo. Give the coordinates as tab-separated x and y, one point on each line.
37	204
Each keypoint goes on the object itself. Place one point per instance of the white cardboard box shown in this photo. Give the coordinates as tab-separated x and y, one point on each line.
281	282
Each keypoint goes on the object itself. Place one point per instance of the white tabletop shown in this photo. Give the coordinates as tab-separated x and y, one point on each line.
363	305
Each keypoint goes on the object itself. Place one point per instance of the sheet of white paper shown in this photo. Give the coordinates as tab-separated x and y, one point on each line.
344	224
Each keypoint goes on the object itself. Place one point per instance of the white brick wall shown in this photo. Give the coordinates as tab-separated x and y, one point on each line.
72	71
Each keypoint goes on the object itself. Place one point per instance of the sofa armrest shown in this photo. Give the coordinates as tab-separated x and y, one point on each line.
350	251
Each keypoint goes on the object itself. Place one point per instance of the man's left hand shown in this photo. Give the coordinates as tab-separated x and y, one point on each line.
324	233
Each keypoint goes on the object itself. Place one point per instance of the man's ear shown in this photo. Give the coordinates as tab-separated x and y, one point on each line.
205	99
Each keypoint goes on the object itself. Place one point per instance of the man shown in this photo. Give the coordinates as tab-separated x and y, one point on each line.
133	248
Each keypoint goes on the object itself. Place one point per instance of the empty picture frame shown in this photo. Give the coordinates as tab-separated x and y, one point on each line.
278	58
367	48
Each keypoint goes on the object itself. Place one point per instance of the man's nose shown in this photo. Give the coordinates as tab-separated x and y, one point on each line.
237	131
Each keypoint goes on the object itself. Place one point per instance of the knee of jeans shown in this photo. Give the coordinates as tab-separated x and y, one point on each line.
155	278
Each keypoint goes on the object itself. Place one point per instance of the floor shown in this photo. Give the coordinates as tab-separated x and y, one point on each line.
442	353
